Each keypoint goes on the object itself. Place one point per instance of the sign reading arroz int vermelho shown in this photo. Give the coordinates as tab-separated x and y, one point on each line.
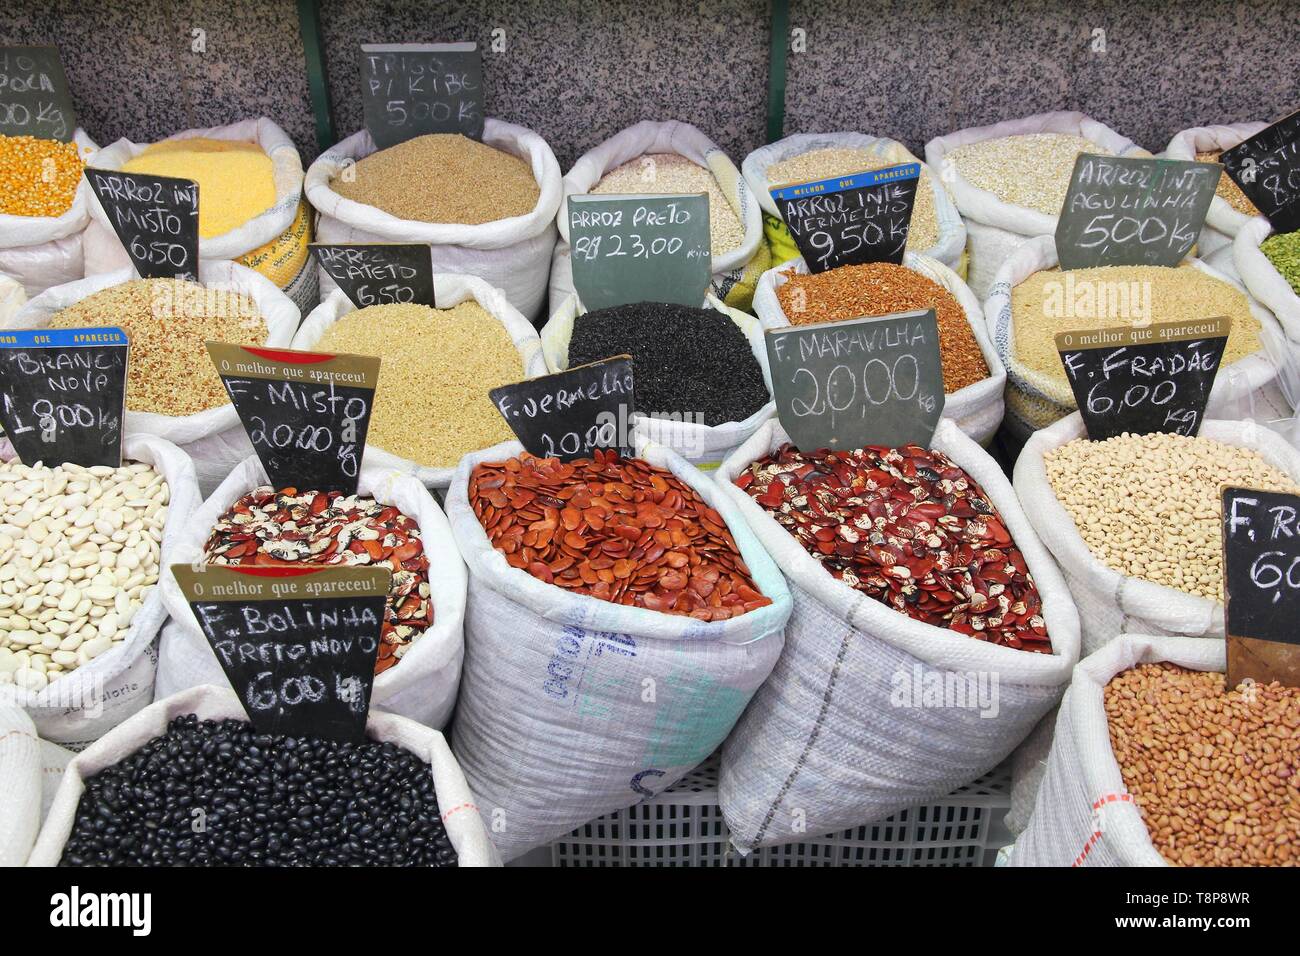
642	248
870	381
1267	168
1261	585
570	414
1126	211
306	413
298	644
379	273
34	97
63	394
157	219
411	89
851	220
1156	378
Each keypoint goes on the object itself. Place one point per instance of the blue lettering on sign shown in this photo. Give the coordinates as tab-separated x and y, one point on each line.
575	649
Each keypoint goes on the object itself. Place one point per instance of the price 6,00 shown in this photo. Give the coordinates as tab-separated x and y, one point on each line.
1135	396
1266	573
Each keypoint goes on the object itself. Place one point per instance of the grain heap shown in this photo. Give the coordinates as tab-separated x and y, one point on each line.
1227	189
236	180
1031	170
1283	251
38	177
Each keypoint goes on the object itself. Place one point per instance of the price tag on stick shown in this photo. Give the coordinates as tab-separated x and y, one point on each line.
306	413
379	273
851	220
1261	585
1125	211
63	394
411	89
157	219
640	249
34	98
1151	379
870	381
297	644
1267	168
570	414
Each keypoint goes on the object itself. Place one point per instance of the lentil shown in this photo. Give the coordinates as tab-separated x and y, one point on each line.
881	288
266	528
269	801
1227	189
685	361
1109	296
1149	506
1031	170
1283	251
616	529
670	173
1214	772
38	177
922	234
236	180
79	551
908	528
169	322
442	177
432	405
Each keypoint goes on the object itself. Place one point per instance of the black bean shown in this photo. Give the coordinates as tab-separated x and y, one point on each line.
260	801
685	361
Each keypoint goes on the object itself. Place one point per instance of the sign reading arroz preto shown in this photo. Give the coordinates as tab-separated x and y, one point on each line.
851	220
157	219
34	97
379	273
410	89
306	413
1267	168
1261	585
870	381
570	414
63	394
298	644
640	248
1151	379
1126	211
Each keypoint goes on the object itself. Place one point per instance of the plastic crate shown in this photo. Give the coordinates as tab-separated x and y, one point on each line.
683	826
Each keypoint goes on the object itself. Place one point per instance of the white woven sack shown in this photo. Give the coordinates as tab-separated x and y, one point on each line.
702	445
213	438
1262	279
449	290
651	137
12	298
1234	384
1222	222
952	232
20	785
1083	815
977	408
460	814
422	686
45	251
572	707
993	227
830	741
512	254
85	703
1112	603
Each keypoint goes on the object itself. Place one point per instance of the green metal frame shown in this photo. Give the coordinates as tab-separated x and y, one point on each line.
778	45
314	48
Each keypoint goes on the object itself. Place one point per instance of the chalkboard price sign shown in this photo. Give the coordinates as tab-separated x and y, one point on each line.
1126	211
870	381
297	644
379	273
1267	168
306	413
411	89
640	249
34	98
570	414
1261	582
1156	378
157	219
851	220
63	394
